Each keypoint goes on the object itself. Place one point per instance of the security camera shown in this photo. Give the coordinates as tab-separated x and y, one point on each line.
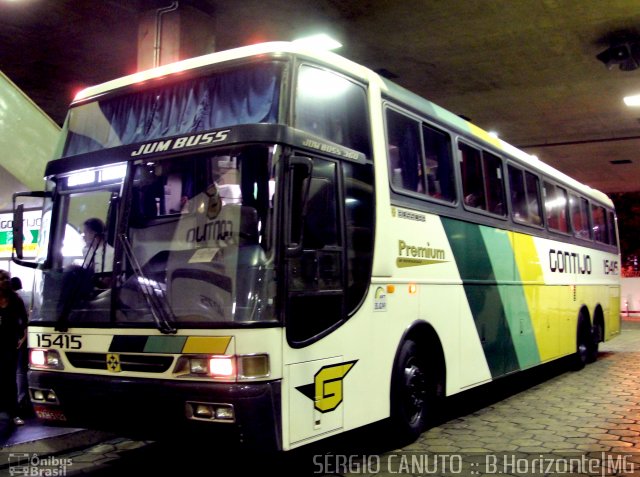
626	55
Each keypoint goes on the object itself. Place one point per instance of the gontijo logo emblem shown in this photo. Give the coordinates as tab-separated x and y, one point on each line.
326	389
113	363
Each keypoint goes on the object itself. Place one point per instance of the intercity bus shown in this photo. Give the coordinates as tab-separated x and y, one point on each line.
300	247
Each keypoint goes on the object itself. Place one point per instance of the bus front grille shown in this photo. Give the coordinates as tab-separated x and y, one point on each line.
127	362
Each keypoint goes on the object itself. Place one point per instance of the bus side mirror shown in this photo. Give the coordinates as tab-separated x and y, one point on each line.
18	223
18	238
299	170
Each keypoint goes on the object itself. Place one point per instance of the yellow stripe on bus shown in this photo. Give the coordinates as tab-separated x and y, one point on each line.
532	278
206	344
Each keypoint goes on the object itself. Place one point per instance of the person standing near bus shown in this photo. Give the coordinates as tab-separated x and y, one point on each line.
24	404
12	315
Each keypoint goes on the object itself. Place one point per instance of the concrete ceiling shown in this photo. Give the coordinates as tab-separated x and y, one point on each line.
524	68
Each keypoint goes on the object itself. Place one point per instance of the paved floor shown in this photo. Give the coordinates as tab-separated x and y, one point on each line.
546	421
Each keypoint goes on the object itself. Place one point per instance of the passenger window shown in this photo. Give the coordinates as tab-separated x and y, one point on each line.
579	208
405	162
525	196
555	204
600	233
494	184
611	220
534	201
439	164
472	183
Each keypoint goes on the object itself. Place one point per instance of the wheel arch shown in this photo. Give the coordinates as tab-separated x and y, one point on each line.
428	341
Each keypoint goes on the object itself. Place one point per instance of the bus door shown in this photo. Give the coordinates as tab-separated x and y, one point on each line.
315	298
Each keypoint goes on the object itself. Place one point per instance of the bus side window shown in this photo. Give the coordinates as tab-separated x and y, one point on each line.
525	196
494	185
600	233
405	162
556	204
439	164
472	182
611	220
579	208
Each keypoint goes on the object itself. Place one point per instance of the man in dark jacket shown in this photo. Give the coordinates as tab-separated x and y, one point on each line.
12	316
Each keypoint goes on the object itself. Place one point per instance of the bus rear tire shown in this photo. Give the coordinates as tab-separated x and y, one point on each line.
596	337
410	392
584	343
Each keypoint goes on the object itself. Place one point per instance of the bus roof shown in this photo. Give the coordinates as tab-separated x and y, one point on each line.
223	56
391	89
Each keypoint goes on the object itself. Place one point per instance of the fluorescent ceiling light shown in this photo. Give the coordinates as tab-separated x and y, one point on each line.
493	134
321	41
632	100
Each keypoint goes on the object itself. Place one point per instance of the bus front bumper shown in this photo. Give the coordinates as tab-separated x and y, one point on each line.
160	409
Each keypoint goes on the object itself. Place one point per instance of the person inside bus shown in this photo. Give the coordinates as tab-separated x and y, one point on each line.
97	253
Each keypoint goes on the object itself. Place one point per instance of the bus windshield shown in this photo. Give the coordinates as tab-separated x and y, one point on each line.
195	246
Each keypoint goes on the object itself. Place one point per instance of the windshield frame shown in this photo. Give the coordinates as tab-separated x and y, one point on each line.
123	223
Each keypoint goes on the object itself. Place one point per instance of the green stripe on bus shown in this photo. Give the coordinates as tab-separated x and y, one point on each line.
483	295
519	321
165	344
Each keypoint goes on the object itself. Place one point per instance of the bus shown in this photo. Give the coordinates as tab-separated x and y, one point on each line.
299	247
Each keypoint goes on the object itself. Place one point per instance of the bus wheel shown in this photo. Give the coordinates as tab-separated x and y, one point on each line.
584	344
596	337
409	392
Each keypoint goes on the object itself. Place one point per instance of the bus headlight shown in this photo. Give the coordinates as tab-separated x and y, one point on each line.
224	367
198	365
45	359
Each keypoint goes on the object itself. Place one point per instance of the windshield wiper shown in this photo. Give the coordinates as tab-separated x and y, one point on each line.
155	296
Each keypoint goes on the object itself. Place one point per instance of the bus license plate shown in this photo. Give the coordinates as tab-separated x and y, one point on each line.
49	413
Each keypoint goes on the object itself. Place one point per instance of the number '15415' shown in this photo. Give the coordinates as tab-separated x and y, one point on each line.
60	341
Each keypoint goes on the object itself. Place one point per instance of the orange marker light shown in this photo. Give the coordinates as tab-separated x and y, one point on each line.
413	289
391	288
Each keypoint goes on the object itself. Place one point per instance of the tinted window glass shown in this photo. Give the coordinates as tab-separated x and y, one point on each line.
534	201
525	196
405	162
472	183
358	212
332	107
518	195
600	233
494	184
580	216
439	164
611	220
555	203
315	276
321	220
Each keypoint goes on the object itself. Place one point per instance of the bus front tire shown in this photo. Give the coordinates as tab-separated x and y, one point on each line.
410	393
